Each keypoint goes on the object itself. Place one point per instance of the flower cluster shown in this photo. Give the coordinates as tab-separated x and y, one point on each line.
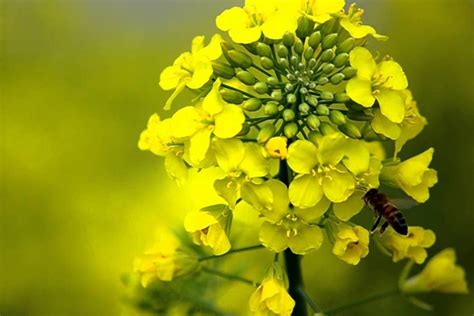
295	111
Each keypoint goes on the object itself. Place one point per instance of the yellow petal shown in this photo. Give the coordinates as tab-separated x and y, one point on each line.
302	156
306	239
357	157
254	163
186	122
218	240
360	91
384	126
391	104
228	123
338	186
412	170
322	8
396	78
315	212
195	221
273	237
278	24
305	191
229	153
213	102
245	35
202	72
213	50
362	60
352	206
171	77
356	30
176	168
232	18
199	145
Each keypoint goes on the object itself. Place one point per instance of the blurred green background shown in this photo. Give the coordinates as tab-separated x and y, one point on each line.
79	80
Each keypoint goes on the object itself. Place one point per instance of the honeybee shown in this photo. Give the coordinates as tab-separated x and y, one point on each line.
384	208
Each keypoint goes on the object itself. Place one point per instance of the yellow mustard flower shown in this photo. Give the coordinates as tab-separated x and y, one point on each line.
412	124
213	116
271	297
240	162
411	246
158	139
277	147
192	69
246	25
352	243
326	169
441	274
165	261
209	227
284	227
413	176
320	11
383	82
352	23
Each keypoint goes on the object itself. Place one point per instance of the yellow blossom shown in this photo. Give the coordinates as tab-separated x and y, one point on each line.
165	261
320	11
271	297
277	147
411	246
246	25
383	82
352	243
441	274
158	139
213	116
192	69
413	176
284	227
352	23
209	227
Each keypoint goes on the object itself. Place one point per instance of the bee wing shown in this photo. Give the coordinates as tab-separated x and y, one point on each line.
404	203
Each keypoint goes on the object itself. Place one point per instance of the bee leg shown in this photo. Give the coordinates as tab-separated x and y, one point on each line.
377	222
383	228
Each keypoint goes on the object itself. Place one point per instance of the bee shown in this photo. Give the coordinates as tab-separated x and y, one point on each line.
384	208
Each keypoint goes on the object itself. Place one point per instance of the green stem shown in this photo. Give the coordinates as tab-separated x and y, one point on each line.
229	276
363	301
232	251
261	70
238	90
310	301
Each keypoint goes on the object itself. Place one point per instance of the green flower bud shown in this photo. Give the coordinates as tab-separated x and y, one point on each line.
312	100
261	87
322	81
314	39
285	63
252	104
291	98
350	130
299	46
282	51
341	97
341	59
337	117
359	116
313	122
327	55
304	90
245	129
265	133
225	51
312	63
305	27
322	109
301	67
241	59
289	87
264	50
304	108
288	39
267	63
308	54
313	137
223	70
288	115
346	46
326	95
272	81
290	130
328	68
337	78
294	61
326	128
329	41
349	72
232	96
246	77
328	26
271	108
277	95
251	48
291	77
370	135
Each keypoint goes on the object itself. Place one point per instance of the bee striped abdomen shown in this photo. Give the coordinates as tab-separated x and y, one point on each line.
395	218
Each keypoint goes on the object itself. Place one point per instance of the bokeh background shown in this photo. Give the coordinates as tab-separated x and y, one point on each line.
79	80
